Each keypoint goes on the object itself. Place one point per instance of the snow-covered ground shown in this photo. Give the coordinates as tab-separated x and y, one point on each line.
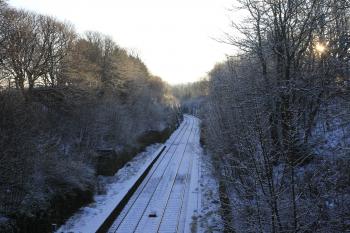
180	191
179	194
206	215
331	138
89	218
159	203
209	217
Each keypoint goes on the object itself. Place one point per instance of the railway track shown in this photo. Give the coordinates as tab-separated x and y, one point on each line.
160	202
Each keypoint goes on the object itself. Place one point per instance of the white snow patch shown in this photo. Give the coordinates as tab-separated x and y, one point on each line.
331	138
209	219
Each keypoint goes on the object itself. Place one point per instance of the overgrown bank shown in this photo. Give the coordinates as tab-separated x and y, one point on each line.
65	99
276	118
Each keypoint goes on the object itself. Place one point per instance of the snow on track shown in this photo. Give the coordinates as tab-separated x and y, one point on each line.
89	218
168	197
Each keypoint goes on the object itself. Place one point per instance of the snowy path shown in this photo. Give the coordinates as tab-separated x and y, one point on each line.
168	198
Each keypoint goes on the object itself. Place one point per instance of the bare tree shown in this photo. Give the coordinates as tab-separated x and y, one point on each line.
35	46
264	109
62	96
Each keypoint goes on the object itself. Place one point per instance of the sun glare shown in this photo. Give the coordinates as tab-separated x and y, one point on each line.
320	47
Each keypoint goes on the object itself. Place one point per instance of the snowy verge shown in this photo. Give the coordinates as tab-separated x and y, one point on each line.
90	218
209	218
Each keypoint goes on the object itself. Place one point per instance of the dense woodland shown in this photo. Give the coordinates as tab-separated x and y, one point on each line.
191	96
64	96
277	118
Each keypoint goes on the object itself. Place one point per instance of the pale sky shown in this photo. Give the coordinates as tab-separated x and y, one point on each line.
173	37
